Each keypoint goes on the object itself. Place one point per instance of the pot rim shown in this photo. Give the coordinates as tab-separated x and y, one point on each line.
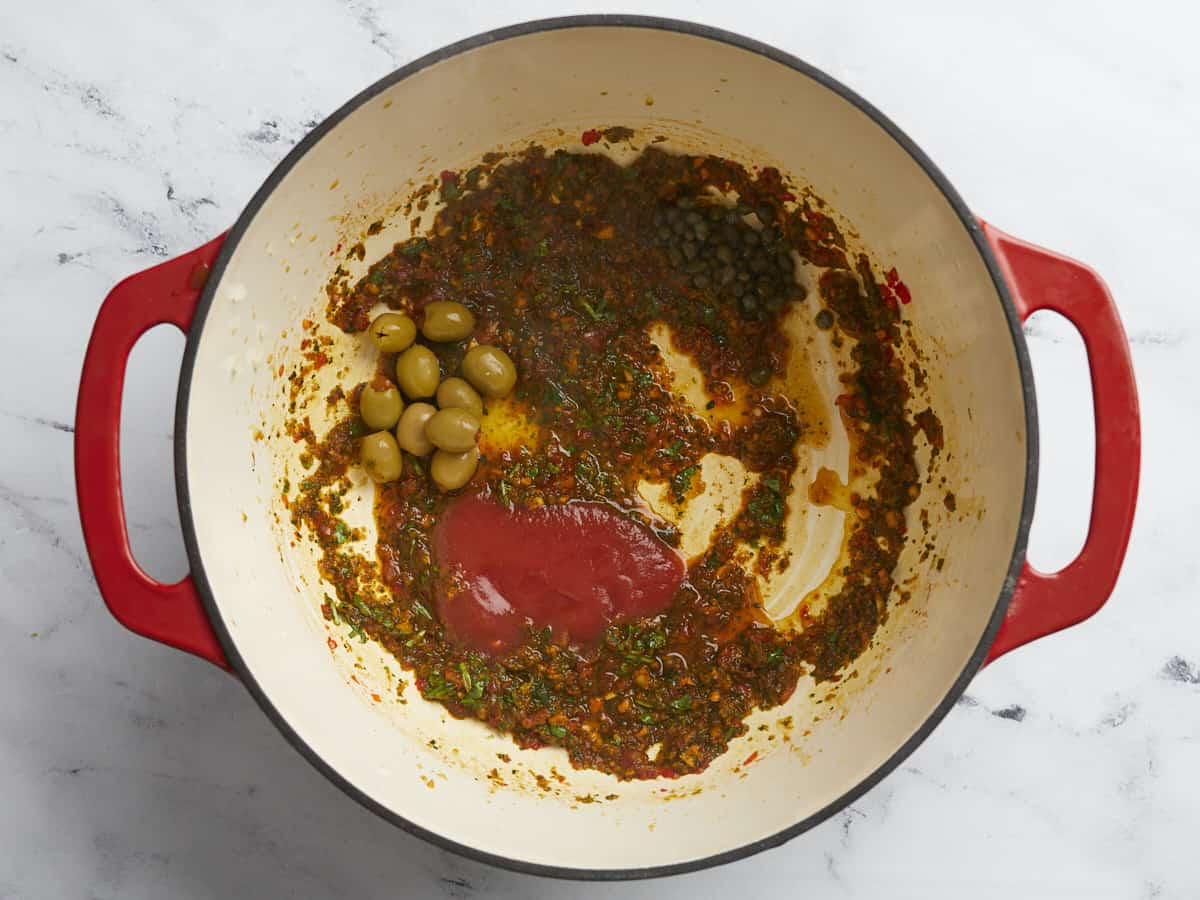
230	246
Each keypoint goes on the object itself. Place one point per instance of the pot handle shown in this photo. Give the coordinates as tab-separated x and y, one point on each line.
170	613
1045	603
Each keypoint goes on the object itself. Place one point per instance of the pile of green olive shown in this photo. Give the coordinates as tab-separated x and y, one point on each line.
449	431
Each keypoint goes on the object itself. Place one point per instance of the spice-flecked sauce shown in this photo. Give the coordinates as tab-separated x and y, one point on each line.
545	598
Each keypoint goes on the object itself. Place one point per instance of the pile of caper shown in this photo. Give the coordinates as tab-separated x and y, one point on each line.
725	254
448	430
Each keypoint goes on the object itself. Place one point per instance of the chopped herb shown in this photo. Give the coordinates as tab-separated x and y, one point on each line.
681	482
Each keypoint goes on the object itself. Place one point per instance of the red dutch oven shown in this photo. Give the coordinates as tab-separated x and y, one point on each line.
251	602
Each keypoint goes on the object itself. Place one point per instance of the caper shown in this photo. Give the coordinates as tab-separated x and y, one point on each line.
759	376
381	456
410	431
446	320
450	471
824	320
490	370
393	332
380	404
453	429
456	392
417	372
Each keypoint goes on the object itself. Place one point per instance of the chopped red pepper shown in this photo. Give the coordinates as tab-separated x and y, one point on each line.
888	295
786	196
590	137
751	758
903	293
448	175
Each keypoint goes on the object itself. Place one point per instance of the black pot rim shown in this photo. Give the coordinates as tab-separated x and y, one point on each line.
628	21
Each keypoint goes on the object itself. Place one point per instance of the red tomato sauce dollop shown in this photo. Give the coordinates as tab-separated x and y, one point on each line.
573	568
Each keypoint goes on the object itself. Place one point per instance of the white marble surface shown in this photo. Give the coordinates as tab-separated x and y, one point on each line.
133	131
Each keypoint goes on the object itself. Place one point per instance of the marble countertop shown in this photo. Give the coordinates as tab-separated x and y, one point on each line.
130	132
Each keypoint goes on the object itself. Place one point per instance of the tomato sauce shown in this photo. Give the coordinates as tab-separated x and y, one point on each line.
572	568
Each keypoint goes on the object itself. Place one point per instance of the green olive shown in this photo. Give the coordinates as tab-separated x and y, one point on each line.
456	392
380	404
417	372
446	320
453	429
393	332
410	433
381	456
450	471
490	370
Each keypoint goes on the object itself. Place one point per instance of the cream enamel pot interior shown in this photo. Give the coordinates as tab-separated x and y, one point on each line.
251	601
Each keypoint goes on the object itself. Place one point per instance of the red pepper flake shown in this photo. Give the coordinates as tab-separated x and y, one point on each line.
376	698
889	297
815	217
332	643
319	359
751	758
590	137
787	196
902	292
338	249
